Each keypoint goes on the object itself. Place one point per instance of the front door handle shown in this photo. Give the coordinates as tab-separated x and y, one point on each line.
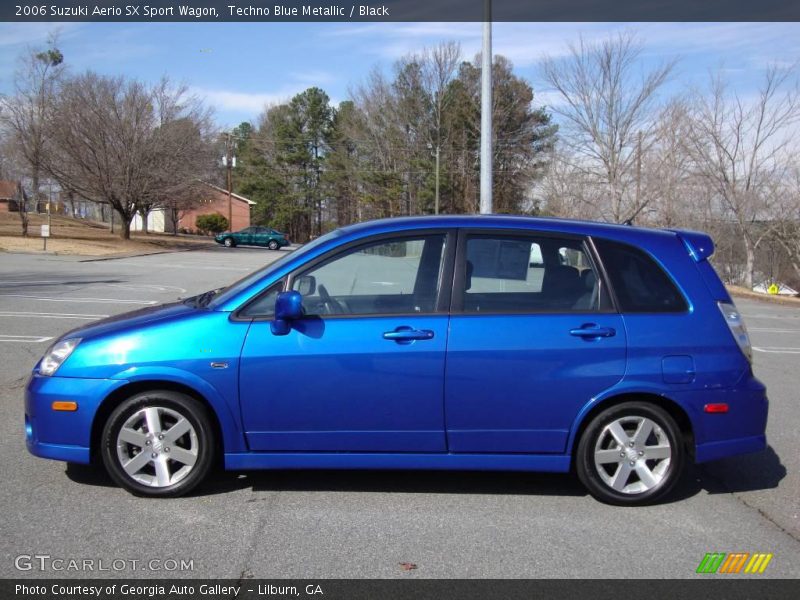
408	334
590	330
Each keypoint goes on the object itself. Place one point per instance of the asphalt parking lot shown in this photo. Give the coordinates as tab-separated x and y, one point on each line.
344	524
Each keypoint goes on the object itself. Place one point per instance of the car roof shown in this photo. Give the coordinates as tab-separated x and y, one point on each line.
574	226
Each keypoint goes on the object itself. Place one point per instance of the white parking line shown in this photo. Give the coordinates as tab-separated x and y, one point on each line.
42	315
763	316
91	300
143	286
771	350
29	339
767	329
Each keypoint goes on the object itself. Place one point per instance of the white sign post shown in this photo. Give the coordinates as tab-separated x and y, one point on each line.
45	234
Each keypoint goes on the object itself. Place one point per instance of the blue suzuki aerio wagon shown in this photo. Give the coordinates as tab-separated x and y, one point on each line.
483	343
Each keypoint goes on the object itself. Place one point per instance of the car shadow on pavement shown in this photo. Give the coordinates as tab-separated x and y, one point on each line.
400	481
747	473
744	473
88	475
432	482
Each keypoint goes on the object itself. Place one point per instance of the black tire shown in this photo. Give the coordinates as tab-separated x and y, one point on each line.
273	245
200	441
589	472
229	242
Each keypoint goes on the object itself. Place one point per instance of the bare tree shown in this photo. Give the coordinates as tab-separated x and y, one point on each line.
180	202
439	68
126	144
741	147
608	107
564	190
25	112
181	150
666	177
787	230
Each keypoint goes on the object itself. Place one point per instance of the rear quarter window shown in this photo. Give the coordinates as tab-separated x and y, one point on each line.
640	284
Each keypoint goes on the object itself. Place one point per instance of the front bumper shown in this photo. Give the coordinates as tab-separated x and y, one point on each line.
63	435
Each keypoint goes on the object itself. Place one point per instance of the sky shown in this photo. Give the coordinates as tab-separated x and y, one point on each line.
238	68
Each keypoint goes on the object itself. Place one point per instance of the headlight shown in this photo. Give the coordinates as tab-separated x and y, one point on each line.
57	355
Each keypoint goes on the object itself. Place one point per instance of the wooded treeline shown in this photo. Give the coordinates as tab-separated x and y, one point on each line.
312	166
631	145
705	157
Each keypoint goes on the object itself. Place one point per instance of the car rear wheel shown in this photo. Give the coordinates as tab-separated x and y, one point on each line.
630	454
229	243
158	443
273	245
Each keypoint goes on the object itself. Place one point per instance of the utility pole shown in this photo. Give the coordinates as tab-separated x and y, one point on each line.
436	202
49	218
638	171
229	167
486	112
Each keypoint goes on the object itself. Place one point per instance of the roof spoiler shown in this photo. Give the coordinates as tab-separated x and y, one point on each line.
699	244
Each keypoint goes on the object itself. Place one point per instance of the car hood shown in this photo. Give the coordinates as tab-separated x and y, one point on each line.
131	320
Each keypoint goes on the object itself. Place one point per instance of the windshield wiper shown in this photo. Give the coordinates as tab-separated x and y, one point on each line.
204	298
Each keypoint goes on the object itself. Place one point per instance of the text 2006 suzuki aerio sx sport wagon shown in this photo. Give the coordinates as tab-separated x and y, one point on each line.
475	343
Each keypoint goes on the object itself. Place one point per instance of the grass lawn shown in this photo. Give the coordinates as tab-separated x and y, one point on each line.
88	238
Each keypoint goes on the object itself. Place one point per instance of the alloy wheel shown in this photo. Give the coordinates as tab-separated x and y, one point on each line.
632	454
157	446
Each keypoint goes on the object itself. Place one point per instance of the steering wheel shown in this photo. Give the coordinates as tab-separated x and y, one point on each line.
329	303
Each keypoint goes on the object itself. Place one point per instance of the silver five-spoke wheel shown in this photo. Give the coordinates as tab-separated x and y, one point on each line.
632	454
157	446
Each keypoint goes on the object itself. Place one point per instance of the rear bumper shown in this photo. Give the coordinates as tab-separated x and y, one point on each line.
63	435
739	431
726	448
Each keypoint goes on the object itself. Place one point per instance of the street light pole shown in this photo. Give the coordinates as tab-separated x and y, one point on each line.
486	112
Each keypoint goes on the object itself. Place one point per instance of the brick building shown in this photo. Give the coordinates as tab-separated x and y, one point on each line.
11	196
215	200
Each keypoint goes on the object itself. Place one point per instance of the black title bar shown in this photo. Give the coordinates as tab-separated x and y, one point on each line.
709	588
400	10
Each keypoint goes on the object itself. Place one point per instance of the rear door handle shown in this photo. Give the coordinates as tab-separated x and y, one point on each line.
407	334
593	331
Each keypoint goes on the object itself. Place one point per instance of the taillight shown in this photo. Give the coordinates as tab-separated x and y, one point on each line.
736	324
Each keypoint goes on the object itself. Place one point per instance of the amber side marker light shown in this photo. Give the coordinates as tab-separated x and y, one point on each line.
65	406
719	407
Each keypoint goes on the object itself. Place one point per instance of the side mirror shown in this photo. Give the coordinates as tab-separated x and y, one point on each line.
288	308
306	285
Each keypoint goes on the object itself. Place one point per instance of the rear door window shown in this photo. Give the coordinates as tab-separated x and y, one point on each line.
521	274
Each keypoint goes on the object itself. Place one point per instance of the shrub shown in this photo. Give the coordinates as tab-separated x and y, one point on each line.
213	223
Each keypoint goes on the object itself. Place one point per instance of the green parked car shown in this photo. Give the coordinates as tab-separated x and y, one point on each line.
253	236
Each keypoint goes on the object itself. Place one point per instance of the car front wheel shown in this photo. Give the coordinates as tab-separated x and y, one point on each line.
158	443
229	243
630	454
273	245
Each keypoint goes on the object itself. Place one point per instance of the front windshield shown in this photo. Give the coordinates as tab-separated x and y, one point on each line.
219	297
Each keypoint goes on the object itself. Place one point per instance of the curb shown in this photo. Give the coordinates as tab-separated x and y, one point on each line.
767	299
138	254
